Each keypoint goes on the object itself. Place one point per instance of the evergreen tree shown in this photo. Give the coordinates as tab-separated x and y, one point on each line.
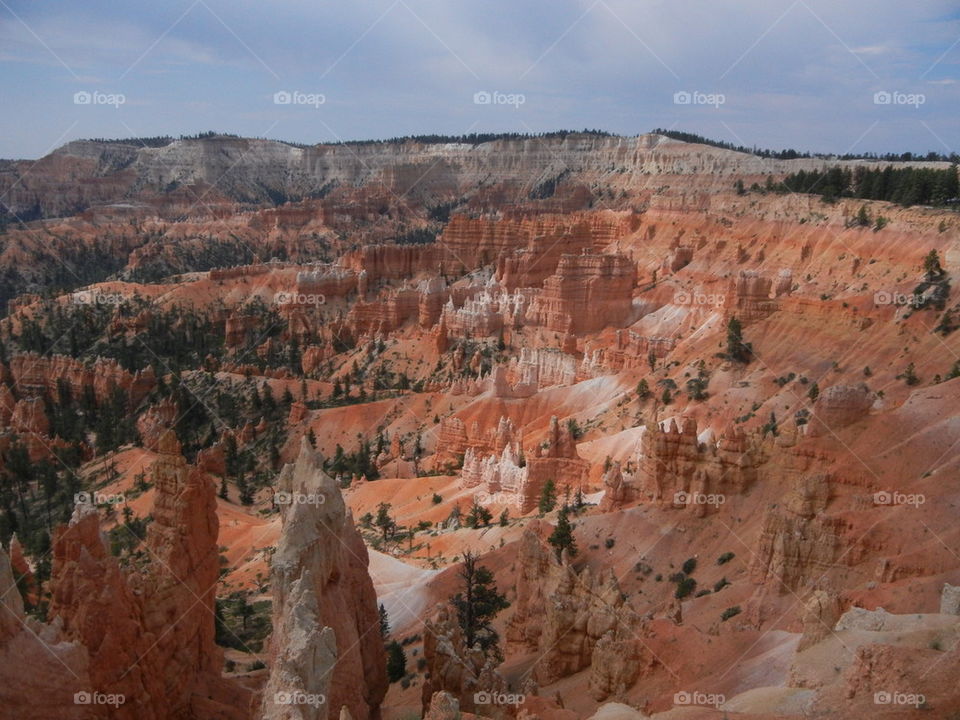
548	497
384	521
396	662
562	536
643	389
478	516
384	622
478	604
737	350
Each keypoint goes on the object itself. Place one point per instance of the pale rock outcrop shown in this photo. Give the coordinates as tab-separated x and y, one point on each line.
519	481
326	639
575	621
676	470
820	614
456	670
798	539
839	406
950	599
750	297
587	293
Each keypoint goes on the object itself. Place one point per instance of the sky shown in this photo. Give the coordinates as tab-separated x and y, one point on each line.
819	75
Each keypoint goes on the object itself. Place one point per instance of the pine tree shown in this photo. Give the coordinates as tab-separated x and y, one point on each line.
478	604
562	536
737	350
548	497
478	516
384	521
396	662
384	622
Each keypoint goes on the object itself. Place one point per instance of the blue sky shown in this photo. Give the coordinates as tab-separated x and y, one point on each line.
775	73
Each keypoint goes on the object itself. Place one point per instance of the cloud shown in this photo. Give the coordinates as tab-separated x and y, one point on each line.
794	73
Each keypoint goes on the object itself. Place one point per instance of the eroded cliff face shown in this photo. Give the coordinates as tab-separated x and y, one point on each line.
141	635
574	621
326	650
128	170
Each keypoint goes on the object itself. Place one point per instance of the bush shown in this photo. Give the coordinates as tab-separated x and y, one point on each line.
725	558
437	499
685	587
689	566
729	613
609	543
396	662
720	584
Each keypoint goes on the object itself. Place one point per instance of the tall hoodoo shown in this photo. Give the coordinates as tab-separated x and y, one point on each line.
326	650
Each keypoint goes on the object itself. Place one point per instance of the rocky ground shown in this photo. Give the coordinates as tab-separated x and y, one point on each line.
210	390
